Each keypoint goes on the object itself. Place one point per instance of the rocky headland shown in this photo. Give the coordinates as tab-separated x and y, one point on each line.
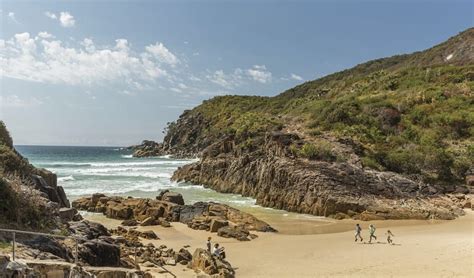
383	140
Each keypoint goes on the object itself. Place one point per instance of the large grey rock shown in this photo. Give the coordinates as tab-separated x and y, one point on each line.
67	214
98	253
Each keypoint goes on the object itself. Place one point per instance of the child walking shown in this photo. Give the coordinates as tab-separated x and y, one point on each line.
389	237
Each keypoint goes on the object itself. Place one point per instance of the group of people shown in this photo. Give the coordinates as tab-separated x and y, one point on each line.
215	250
358	231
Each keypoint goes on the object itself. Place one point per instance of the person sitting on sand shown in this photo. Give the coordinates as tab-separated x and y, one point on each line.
389	237
372	233
218	251
358	230
209	244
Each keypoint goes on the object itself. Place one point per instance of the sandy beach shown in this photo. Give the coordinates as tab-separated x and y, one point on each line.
421	249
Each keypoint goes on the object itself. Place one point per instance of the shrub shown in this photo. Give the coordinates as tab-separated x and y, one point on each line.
403	161
371	163
321	151
22	206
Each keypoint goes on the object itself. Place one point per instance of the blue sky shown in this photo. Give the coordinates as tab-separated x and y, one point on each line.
115	72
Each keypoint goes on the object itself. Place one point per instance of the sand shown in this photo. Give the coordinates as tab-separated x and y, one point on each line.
326	248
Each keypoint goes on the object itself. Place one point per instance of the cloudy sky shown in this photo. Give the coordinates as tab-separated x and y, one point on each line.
115	72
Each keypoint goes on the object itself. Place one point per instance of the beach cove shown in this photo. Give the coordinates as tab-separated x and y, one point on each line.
421	249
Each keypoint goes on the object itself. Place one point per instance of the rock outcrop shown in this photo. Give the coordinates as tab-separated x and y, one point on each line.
204	261
31	195
202	216
333	189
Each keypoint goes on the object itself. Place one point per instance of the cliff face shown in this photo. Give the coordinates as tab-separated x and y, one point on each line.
30	196
339	190
391	138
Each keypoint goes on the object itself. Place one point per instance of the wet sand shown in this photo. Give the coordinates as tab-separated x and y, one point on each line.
326	248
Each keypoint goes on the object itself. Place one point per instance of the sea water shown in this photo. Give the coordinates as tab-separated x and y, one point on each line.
83	171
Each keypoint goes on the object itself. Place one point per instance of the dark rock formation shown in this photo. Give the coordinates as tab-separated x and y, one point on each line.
100	253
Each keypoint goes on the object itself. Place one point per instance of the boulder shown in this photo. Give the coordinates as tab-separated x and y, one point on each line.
50	245
88	230
235	232
202	260
216	224
129	222
118	211
67	214
170	261
188	212
149	221
173	197
98	253
64	202
183	256
148	235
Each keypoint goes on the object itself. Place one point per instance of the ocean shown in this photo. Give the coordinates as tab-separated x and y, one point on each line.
83	171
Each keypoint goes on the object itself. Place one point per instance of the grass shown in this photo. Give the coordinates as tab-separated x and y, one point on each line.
5	246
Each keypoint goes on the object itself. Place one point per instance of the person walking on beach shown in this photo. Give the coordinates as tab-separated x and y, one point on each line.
358	230
372	233
209	244
389	237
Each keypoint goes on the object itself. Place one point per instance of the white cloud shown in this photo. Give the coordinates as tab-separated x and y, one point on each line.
50	61
260	74
239	76
11	16
17	102
296	77
176	90
195	78
162	53
66	19
44	35
228	81
50	15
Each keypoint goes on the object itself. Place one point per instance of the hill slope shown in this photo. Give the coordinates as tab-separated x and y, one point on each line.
408	119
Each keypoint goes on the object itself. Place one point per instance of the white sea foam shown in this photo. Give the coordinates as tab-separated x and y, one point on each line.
67	178
142	163
127	156
113	170
131	174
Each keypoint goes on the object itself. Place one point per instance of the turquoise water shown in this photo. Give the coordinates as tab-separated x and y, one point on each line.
83	171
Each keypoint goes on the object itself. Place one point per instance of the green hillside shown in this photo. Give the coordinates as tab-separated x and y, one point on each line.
411	114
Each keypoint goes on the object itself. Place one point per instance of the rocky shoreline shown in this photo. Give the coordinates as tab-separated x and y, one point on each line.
70	246
169	207
272	175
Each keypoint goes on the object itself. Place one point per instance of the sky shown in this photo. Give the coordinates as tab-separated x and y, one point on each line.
112	73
